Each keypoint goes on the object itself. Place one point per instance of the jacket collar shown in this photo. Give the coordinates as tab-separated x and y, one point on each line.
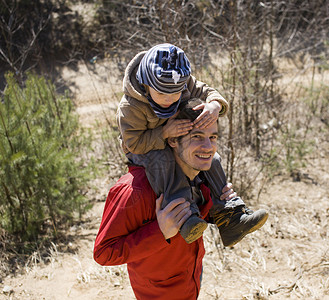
131	86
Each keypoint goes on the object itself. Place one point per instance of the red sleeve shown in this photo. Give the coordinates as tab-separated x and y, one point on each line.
123	237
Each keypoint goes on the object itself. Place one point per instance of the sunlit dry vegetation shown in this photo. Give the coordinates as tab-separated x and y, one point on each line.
269	59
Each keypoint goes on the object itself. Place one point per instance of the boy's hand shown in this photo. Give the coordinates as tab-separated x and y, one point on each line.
173	216
209	114
175	128
228	192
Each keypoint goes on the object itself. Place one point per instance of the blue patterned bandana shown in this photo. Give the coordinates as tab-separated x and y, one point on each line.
164	68
161	112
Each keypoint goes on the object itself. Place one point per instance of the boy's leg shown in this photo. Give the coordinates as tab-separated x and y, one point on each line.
165	176
217	180
233	218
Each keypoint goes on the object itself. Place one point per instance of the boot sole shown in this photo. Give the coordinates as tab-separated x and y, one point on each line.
252	229
195	233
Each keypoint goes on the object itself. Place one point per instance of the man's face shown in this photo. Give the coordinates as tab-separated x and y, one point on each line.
195	151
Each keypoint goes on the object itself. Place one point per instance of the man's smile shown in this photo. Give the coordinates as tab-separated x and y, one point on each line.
204	156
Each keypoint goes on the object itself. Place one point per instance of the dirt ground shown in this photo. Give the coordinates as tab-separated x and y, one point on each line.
288	258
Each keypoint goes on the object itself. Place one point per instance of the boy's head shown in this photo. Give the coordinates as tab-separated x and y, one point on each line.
165	68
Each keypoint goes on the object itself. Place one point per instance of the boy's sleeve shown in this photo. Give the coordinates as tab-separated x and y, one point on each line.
201	90
133	125
122	236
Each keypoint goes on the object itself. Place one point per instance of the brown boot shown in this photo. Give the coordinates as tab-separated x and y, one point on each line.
193	228
235	224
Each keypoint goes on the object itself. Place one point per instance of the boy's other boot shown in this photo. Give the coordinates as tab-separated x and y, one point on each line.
235	224
193	228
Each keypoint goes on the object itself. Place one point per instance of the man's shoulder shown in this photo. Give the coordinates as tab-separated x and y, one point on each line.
136	179
132	188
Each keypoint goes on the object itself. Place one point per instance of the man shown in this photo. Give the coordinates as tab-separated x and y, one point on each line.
135	230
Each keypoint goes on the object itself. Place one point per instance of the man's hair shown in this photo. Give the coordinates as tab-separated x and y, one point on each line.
186	109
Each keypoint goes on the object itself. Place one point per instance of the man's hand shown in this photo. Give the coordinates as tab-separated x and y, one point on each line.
228	192
173	216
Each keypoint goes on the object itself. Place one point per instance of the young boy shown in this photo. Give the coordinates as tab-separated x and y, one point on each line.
155	84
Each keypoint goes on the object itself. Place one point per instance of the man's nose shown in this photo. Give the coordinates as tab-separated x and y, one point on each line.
207	144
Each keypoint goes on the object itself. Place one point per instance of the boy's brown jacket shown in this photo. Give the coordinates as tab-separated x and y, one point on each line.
140	128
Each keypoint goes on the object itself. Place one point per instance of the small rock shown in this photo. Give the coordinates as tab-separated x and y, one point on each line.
7	289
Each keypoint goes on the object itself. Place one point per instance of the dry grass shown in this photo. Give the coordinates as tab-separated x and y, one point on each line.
288	258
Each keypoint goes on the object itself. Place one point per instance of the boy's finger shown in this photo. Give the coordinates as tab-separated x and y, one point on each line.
208	122
201	118
183	122
185	127
200	106
199	123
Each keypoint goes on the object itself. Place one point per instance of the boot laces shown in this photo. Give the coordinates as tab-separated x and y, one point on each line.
247	210
223	218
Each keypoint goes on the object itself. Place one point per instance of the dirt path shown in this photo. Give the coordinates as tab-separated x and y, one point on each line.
287	259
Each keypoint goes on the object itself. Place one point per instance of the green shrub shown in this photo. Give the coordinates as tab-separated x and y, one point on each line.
41	174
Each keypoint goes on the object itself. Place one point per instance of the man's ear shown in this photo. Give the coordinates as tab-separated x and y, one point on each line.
172	141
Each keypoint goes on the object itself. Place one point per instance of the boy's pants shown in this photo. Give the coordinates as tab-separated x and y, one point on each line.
166	176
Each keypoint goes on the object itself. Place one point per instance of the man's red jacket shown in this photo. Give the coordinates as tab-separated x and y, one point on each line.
129	233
